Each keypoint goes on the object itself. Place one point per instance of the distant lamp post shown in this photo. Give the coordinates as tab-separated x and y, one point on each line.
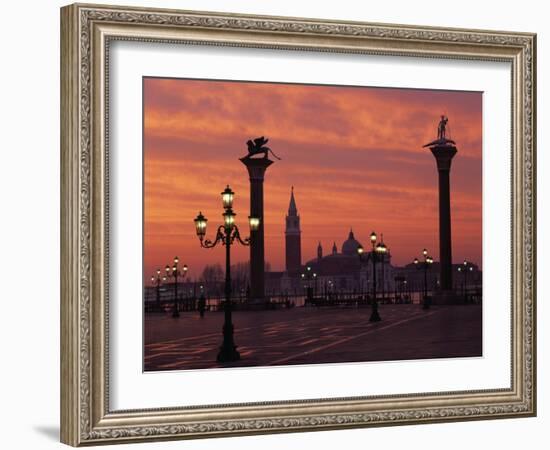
309	275
156	280
227	234
174	272
330	286
465	268
315	284
425	266
382	250
378	251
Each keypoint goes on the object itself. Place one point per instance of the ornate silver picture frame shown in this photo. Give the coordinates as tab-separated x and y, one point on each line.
87	33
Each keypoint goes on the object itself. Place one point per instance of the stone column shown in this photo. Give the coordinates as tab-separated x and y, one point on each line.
444	154
256	171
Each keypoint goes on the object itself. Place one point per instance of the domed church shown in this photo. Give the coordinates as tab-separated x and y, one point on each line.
338	271
350	246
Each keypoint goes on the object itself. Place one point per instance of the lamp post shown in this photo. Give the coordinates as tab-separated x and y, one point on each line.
378	250
227	234
382	250
465	268
309	275
424	265
156	281
315	289
175	273
330	289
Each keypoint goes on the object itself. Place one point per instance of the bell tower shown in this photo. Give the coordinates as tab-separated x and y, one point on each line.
293	237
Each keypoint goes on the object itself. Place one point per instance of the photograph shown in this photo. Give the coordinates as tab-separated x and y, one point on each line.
297	224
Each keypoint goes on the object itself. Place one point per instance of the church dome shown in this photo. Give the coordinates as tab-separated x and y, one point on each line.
350	246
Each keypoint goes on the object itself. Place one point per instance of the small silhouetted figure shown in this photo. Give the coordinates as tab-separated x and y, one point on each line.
441	134
202	305
258	146
442	127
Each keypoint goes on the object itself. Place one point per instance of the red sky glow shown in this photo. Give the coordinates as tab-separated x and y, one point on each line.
353	154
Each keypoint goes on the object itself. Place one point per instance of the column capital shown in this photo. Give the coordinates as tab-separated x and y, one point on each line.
443	155
256	167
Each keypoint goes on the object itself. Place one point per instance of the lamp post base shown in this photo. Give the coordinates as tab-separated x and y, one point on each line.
375	317
175	314
228	353
426	302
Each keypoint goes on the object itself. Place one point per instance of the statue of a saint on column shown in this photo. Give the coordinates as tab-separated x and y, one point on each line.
441	133
442	126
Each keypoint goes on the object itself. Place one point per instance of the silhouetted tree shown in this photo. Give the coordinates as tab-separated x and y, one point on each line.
212	276
212	273
240	275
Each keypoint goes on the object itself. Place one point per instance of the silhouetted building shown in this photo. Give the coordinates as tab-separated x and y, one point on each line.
293	237
338	272
343	271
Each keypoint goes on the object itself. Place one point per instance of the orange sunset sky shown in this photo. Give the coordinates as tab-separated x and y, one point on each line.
353	154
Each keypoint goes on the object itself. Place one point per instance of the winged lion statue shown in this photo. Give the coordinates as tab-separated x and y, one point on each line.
257	146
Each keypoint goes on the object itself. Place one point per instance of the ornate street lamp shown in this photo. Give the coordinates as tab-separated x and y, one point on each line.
378	251
175	273
227	197
424	265
227	234
156	281
381	251
465	268
254	223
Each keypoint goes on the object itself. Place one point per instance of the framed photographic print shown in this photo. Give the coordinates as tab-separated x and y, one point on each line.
275	224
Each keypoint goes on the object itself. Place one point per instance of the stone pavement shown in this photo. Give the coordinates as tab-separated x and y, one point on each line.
314	335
